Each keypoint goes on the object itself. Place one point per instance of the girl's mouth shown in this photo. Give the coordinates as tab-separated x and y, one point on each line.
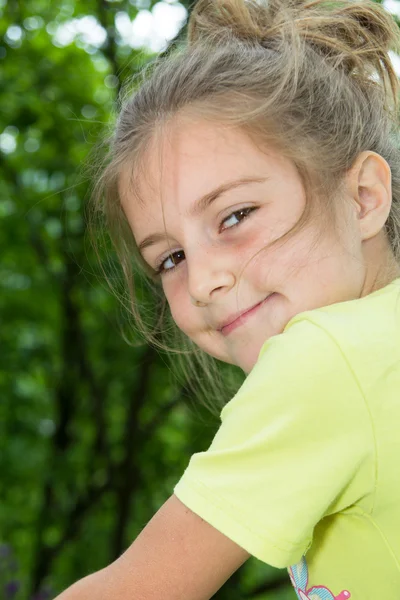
244	316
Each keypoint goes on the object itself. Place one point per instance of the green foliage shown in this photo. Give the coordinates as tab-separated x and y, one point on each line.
93	433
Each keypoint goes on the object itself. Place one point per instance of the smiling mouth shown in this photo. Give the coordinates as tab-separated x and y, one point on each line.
242	317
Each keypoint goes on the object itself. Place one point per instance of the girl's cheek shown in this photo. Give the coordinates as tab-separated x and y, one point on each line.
170	284
178	300
184	320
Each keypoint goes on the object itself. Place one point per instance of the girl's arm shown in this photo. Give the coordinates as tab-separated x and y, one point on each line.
177	556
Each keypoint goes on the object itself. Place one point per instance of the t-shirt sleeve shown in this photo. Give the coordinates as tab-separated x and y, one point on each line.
294	445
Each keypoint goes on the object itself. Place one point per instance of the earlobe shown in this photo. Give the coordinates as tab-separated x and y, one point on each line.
371	188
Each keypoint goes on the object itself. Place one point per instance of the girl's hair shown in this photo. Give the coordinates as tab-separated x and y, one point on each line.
312	79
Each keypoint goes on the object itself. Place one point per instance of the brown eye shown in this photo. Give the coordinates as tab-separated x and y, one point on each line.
236	217
172	260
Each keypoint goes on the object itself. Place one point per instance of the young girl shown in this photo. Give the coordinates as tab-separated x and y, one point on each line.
258	173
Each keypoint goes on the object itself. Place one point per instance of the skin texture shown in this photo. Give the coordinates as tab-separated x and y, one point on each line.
226	266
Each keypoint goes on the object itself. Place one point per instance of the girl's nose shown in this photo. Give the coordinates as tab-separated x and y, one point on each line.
208	277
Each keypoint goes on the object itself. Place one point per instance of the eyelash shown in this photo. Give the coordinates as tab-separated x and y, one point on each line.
159	270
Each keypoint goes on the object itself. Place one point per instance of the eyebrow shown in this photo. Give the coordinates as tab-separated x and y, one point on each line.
202	204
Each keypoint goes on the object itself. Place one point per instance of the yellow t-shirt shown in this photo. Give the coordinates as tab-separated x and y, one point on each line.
304	471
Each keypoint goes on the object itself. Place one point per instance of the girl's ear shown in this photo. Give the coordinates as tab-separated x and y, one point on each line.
370	183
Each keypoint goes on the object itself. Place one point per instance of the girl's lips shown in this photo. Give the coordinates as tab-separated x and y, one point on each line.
244	316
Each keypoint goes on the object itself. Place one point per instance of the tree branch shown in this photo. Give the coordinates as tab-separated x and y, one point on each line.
128	480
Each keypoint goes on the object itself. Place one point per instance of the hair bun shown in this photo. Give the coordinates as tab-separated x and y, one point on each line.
213	18
353	35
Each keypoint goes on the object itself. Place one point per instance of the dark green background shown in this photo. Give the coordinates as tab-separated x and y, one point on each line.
94	433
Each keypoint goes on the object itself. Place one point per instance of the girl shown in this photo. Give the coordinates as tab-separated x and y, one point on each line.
258	174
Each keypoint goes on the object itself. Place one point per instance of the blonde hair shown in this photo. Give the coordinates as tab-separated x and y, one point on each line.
314	79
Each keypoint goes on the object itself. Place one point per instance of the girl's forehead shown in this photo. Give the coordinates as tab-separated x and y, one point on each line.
187	161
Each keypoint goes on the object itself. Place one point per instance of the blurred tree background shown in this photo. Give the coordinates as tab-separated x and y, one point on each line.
94	433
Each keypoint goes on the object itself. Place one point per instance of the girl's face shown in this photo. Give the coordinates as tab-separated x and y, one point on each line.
211	207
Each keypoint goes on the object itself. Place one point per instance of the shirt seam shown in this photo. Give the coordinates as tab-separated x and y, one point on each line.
376	526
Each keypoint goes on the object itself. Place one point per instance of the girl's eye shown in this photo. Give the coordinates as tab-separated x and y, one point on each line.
169	263
236	217
172	260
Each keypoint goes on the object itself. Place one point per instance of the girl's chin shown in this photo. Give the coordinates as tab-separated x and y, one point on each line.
233	352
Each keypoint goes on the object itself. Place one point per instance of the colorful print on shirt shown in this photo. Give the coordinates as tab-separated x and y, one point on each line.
299	578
